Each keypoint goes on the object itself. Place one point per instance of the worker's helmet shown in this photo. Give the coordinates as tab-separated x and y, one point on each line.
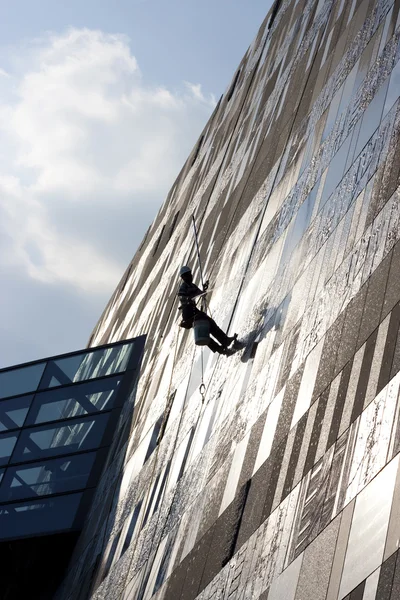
184	270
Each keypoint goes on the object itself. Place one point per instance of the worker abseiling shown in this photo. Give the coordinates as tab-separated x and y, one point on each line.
204	325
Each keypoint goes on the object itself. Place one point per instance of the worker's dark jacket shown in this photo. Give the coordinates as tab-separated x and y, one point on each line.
187	292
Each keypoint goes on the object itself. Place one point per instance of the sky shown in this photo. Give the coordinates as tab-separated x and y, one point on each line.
101	101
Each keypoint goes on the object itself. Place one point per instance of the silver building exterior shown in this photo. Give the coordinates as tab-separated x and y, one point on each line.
283	481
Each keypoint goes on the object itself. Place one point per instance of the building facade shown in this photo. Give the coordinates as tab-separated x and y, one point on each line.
274	473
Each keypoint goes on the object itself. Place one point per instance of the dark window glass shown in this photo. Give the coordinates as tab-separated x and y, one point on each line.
233	86
128	274
49	477
196	154
132	527
50	440
162	571
158	241
13	412
88	365
154	438
162	487
7	443
38	516
275	10
111	554
73	401
171	231
144	239
20	381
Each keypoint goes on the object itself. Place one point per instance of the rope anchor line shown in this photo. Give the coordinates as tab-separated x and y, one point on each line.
202	388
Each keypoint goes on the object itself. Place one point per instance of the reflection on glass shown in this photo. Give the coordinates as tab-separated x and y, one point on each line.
50	477
336	170
87	365
348	88
368	529
38	516
372	117
20	381
52	440
73	401
299	225
393	89
7	443
332	114
13	412
364	63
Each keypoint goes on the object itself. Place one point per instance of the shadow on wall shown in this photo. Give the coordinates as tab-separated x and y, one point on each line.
269	319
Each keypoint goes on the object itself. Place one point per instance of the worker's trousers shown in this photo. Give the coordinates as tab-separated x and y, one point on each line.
215	331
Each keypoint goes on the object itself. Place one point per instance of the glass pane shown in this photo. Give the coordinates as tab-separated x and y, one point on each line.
73	401
20	381
7	443
38	516
13	412
393	89
87	365
50	440
372	117
50	477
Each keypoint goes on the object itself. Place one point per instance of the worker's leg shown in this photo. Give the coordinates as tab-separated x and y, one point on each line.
219	335
214	347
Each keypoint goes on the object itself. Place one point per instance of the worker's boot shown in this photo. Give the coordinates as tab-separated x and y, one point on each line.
231	339
236	344
226	351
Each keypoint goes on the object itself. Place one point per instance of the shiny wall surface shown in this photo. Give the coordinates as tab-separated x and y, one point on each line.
284	484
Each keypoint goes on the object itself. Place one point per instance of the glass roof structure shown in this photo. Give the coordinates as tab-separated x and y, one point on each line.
58	417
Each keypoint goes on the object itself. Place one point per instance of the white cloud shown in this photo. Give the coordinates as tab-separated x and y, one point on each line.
88	147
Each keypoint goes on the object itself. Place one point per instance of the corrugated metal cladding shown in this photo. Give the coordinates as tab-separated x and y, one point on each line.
285	483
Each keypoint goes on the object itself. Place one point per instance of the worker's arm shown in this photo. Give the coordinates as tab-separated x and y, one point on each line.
189	290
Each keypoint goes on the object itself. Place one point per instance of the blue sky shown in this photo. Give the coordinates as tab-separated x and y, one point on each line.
96	97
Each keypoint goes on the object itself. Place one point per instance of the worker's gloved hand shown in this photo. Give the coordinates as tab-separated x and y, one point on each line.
206	284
